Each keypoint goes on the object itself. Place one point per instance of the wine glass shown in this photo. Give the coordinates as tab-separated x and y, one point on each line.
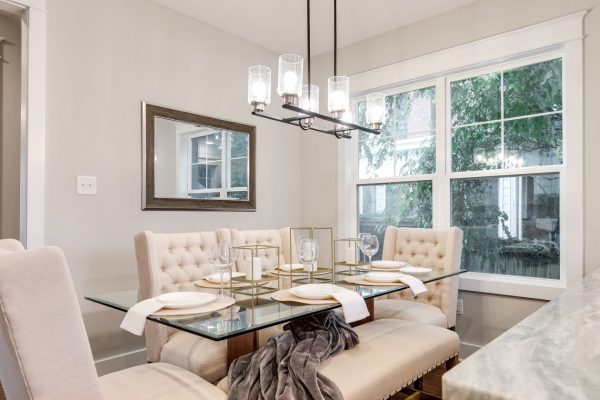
221	258
369	245
308	252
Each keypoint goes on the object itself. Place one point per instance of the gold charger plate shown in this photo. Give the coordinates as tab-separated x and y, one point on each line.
210	285
319	271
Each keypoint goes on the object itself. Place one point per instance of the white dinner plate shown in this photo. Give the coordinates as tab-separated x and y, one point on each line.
216	278
315	291
388	264
382	277
415	270
288	267
176	300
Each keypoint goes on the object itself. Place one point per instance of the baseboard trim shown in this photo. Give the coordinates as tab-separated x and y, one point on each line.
466	349
116	362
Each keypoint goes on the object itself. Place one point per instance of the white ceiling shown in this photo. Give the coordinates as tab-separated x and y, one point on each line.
280	25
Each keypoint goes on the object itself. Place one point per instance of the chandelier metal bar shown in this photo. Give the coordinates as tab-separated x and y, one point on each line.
328	118
308	44
334	37
340	134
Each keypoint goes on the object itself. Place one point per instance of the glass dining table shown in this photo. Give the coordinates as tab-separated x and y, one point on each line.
240	322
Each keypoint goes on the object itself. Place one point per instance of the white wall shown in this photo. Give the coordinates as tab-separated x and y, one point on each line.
486	315
104	58
10	126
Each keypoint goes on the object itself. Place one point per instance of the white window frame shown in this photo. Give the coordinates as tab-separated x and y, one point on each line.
561	37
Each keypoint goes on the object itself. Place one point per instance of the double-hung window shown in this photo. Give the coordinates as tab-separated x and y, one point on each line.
482	146
217	165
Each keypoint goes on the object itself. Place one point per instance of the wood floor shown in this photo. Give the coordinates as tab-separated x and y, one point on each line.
432	383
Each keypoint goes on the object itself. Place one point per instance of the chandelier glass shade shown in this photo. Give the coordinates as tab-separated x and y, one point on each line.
375	110
259	86
289	78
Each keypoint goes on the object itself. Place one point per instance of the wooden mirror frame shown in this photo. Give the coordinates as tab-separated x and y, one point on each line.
150	202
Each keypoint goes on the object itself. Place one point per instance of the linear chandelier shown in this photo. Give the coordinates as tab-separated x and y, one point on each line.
304	99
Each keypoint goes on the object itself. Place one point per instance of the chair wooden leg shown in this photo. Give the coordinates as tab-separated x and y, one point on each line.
451	363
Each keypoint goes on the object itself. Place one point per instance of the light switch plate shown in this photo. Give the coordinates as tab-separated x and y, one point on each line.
86	185
459	307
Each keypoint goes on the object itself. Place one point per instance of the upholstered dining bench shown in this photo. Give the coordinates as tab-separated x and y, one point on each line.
391	355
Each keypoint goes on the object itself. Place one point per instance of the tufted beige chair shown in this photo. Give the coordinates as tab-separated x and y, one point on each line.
9	246
270	237
170	262
44	350
437	249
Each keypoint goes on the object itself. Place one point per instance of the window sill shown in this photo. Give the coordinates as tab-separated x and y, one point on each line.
518	286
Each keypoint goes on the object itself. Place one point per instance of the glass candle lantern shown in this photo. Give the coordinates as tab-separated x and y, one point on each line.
375	110
289	80
338	95
259	86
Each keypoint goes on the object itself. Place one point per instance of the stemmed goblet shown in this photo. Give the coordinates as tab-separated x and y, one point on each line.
369	245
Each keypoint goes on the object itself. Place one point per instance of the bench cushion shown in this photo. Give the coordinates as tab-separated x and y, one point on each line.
391	354
410	311
158	381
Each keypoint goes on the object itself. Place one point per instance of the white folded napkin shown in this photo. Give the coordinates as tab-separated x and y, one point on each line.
135	319
416	285
353	305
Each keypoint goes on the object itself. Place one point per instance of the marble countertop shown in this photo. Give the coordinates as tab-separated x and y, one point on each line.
552	354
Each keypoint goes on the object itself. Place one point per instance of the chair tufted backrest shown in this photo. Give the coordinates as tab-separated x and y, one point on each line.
439	249
270	237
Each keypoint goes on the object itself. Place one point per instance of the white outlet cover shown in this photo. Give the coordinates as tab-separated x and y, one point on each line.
86	185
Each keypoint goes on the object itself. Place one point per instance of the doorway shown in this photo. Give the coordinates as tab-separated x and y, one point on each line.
10	120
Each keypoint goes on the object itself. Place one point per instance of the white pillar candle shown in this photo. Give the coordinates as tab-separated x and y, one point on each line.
350	254
254	268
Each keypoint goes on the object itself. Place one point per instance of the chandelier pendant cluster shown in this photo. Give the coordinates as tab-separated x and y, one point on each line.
304	99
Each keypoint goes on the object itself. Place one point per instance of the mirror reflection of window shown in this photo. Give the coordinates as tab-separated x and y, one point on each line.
208	163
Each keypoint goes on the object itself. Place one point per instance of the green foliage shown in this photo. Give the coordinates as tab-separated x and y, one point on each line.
533	89
475	99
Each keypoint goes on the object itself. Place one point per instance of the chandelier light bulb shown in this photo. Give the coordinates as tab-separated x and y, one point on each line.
290	82
338	95
375	110
259	86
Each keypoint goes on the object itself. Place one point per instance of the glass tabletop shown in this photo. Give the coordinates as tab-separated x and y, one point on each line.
251	313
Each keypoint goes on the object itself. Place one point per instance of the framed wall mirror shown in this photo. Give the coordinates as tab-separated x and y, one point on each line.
195	162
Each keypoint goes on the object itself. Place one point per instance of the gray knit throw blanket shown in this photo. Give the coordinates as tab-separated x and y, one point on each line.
286	368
